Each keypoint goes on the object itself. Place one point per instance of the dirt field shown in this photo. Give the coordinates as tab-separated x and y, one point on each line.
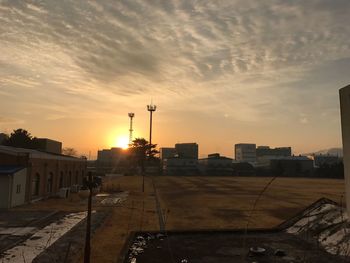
192	203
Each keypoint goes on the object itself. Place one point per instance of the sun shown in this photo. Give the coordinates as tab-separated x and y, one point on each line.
123	142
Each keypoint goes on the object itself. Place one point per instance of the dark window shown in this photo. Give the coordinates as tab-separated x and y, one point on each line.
61	180
18	189
36	185
49	183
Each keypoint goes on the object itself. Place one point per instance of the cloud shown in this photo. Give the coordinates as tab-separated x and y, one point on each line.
249	61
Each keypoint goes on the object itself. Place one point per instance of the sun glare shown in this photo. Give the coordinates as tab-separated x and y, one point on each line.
123	142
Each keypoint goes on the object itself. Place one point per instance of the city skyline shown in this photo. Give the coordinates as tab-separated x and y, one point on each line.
236	71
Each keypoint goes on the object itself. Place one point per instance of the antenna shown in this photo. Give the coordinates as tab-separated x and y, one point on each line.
131	116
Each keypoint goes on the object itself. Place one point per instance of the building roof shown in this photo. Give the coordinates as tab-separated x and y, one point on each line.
9	169
35	153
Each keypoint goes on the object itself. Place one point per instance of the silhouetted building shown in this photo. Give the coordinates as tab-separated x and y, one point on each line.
320	160
345	123
187	150
46	173
180	166
292	166
48	145
112	160
167	152
245	152
278	151
215	165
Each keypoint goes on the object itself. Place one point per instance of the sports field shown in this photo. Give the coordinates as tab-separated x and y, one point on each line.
193	203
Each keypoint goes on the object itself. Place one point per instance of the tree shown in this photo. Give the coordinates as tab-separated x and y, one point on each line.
69	151
141	151
20	138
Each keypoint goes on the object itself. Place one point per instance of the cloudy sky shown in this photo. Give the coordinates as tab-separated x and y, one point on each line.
221	72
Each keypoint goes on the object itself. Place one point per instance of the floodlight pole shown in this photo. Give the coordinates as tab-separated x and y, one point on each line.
131	116
151	108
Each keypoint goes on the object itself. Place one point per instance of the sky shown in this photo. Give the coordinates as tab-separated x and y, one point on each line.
220	72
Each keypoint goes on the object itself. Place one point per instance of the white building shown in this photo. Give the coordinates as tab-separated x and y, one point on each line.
345	122
245	152
12	186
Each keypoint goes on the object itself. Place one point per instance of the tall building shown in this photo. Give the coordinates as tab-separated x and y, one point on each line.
245	152
166	153
278	151
345	123
187	150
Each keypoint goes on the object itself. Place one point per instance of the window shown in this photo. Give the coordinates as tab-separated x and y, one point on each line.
35	185
18	189
61	180
49	183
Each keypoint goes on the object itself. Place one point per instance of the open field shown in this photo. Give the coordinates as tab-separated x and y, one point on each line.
192	203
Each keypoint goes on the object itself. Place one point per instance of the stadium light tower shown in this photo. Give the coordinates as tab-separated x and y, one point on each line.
151	108
131	116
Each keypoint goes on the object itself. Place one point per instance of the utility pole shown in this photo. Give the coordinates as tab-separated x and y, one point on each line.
88	223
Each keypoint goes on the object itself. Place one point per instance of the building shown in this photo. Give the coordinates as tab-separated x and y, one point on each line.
112	160
264	155
48	145
187	150
321	159
292	166
46	173
278	151
167	152
215	165
12	186
345	123
245	152
180	166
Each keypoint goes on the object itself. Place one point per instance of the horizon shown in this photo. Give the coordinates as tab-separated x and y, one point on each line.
220	74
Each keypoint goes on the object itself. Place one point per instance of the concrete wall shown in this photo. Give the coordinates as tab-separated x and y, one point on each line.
4	191
18	178
345	121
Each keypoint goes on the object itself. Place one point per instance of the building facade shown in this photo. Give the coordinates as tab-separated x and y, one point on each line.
187	150
216	165
278	151
345	123
167	152
48	145
12	186
293	166
180	166
111	160
46	173
245	152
